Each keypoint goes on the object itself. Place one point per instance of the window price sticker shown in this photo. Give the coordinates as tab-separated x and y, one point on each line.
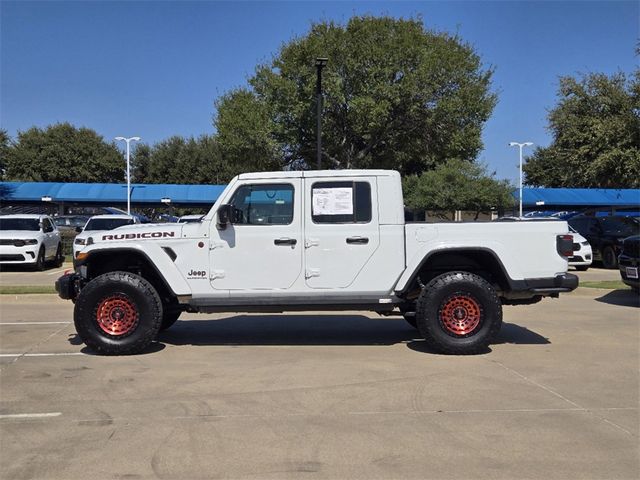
333	201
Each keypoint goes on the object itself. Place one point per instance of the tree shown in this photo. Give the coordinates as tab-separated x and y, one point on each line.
63	153
396	96
4	150
596	135
180	160
457	185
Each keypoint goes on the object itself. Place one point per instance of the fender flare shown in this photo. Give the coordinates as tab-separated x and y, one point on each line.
407	279
177	285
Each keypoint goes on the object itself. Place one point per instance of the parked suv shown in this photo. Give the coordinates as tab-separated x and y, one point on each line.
30	240
629	261
605	234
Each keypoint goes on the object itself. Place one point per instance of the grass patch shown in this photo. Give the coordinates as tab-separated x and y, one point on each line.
608	284
26	289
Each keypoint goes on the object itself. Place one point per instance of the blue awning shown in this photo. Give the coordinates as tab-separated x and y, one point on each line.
580	197
91	193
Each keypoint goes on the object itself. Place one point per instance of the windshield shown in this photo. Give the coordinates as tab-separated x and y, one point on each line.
107	223
70	221
626	226
29	224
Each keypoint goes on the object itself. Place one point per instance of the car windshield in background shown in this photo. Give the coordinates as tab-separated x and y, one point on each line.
107	223
70	221
29	224
626	226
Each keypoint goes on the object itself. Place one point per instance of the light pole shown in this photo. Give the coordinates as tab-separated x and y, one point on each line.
520	146
320	64
128	140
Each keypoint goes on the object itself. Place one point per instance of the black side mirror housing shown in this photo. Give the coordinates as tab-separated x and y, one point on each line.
78	229
225	216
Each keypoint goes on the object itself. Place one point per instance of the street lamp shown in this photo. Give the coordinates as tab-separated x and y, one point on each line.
321	62
520	146
128	140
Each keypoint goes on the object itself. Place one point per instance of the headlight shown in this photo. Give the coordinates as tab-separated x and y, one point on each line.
80	241
585	243
31	241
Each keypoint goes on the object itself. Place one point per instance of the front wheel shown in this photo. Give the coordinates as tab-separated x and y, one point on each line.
459	313
609	259
59	258
118	313
40	260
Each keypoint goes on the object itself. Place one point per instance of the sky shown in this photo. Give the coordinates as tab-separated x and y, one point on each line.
154	69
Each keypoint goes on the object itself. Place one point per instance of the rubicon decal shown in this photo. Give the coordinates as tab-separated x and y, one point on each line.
133	236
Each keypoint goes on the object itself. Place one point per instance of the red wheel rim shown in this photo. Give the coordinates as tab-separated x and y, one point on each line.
117	315
460	314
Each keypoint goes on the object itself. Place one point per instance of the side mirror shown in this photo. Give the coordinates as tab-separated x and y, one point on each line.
78	229
225	216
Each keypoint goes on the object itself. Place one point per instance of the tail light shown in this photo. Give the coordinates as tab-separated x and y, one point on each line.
564	245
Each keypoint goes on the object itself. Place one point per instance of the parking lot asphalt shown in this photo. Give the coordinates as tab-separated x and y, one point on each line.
324	396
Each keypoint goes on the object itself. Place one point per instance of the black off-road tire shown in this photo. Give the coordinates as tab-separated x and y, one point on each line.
169	317
459	297
609	258
40	260
582	268
59	258
142	310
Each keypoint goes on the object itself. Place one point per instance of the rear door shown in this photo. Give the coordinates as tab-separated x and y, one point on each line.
341	230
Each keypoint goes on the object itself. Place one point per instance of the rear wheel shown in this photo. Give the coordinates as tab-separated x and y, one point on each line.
118	313
459	313
609	259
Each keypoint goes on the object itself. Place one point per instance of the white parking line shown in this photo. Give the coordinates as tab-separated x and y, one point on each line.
61	354
35	323
31	415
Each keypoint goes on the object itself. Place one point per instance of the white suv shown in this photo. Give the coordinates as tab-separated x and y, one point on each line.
30	240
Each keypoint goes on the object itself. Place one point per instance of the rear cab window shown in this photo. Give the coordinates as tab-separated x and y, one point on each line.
341	202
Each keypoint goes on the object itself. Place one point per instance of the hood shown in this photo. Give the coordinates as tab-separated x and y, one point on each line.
138	232
20	234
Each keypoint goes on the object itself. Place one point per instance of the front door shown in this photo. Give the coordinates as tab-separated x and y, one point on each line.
262	250
341	230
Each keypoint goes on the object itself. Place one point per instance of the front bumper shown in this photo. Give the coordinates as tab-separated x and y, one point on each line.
625	261
68	286
10	254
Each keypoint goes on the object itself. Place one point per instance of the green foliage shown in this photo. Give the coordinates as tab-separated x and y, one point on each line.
63	153
596	135
396	96
180	160
457	185
5	142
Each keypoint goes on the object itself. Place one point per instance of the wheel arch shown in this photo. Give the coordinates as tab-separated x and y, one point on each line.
129	260
479	260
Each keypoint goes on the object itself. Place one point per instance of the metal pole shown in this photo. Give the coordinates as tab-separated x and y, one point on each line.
319	115
520	179
128	181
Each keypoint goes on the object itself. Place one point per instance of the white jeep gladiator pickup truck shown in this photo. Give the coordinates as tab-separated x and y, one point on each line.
314	240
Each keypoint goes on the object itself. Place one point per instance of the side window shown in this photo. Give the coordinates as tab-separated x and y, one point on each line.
341	202
264	204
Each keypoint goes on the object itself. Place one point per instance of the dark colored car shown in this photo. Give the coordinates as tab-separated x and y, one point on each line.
70	222
629	261
605	234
